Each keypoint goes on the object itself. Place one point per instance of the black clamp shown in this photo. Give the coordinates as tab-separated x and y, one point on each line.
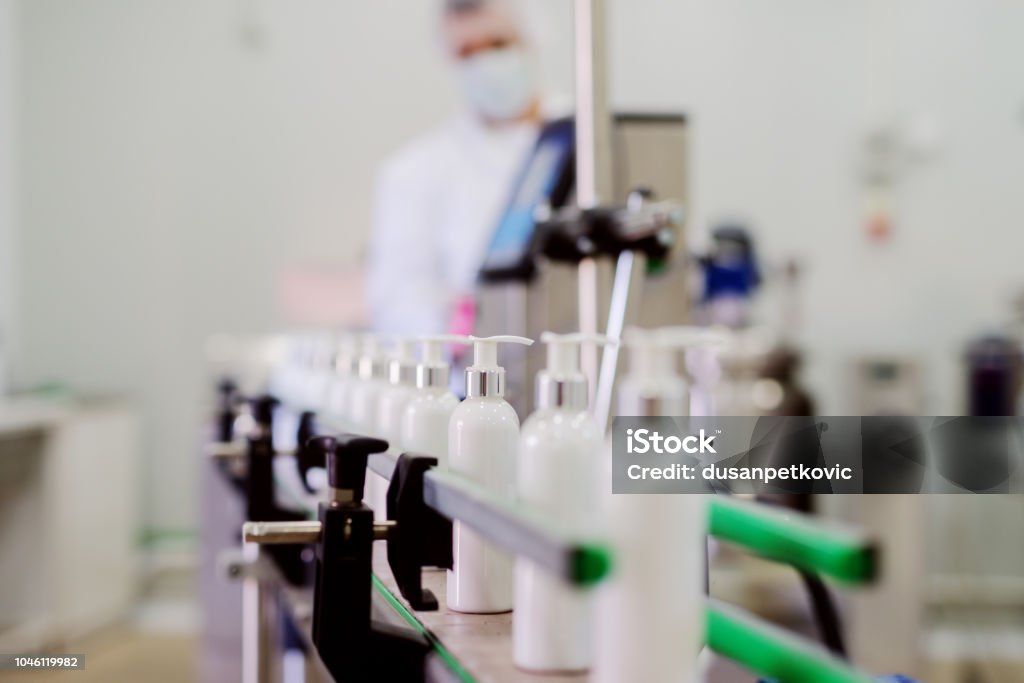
353	646
261	501
572	234
421	537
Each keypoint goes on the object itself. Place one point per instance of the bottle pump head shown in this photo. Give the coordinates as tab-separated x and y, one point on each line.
432	370
372	364
346	357
485	377
655	386
402	366
562	383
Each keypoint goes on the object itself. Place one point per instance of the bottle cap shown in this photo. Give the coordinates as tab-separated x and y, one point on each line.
485	377
372	363
655	386
433	370
562	383
402	366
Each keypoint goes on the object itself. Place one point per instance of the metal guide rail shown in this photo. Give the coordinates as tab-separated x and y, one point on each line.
423	501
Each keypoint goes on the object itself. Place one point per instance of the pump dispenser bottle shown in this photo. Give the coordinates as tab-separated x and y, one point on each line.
652	385
648	621
428	413
393	394
400	387
559	460
371	381
346	367
483	441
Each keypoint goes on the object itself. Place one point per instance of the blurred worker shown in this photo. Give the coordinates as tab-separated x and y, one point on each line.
437	200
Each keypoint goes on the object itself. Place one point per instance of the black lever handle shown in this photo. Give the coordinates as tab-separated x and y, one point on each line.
263	410
227	392
306	458
346	465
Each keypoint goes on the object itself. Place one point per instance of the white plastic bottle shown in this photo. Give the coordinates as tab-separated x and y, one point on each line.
392	398
400	388
371	380
651	385
649	615
483	442
320	373
429	412
346	368
560	454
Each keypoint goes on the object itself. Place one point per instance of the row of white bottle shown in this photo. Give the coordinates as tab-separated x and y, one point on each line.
648	615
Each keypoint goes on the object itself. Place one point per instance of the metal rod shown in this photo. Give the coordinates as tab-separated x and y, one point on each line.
256	646
281	533
593	148
515	529
227	450
593	152
382	529
383	464
588	286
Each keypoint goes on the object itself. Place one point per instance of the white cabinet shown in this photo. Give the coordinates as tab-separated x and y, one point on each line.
69	479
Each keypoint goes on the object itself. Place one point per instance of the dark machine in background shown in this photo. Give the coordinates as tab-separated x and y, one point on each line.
529	281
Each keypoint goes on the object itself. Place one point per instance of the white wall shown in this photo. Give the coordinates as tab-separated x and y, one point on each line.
177	156
781	96
8	212
162	140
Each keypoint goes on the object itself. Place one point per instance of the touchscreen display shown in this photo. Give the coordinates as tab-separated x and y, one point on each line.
535	185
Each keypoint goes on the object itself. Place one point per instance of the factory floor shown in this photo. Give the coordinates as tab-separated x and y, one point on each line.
124	653
157	643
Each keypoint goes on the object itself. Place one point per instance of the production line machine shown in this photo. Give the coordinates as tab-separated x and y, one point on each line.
351	538
363	599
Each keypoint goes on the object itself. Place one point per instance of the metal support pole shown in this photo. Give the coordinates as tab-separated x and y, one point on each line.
256	645
593	154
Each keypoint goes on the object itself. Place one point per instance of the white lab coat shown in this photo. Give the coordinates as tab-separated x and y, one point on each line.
436	205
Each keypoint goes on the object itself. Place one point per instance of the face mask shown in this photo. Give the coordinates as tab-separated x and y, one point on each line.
498	83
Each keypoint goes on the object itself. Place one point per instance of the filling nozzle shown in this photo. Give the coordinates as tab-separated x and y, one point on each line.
563	383
485	377
433	370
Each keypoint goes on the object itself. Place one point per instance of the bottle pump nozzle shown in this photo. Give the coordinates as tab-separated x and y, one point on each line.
346	358
655	386
432	370
485	377
562	383
402	366
371	363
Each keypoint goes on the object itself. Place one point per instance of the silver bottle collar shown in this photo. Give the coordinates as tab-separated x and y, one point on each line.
561	391
372	368
640	405
401	372
484	383
432	376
